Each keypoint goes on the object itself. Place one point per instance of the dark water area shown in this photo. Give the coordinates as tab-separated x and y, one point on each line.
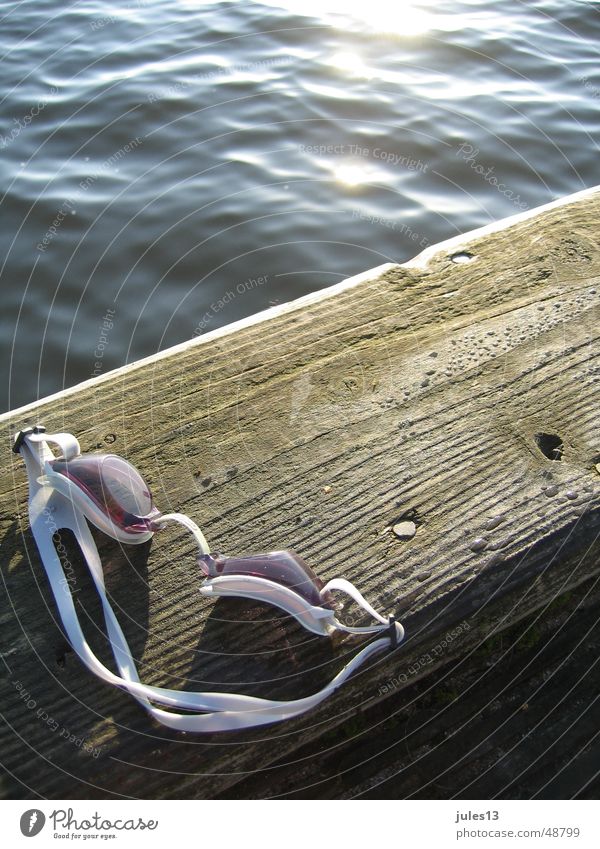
168	167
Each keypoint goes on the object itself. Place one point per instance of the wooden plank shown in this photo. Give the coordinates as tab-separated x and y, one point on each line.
429	390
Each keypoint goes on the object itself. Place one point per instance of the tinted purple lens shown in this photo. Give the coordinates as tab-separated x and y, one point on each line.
281	567
113	485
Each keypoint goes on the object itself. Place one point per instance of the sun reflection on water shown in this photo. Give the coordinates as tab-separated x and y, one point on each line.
352	174
351	63
404	18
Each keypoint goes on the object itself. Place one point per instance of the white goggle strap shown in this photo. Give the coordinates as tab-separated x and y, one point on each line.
221	712
225	711
67	443
344	586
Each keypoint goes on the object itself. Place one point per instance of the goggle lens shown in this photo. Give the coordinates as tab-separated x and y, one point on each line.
126	486
281	567
115	486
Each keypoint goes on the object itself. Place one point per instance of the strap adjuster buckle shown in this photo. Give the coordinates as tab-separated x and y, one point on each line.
22	434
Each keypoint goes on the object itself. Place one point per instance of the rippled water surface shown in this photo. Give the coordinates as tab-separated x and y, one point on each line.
169	166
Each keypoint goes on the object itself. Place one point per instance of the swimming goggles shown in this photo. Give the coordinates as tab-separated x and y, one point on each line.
110	493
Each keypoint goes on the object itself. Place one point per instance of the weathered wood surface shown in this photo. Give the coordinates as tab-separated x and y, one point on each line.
419	392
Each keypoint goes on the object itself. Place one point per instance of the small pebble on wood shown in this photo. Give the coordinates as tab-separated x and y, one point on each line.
493	522
405	530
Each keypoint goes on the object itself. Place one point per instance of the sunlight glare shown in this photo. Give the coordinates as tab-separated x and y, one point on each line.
351	63
408	18
352	175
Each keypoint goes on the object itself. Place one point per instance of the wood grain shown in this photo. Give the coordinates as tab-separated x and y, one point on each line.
429	392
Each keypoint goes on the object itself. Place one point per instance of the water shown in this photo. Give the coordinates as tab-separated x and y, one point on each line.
168	167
